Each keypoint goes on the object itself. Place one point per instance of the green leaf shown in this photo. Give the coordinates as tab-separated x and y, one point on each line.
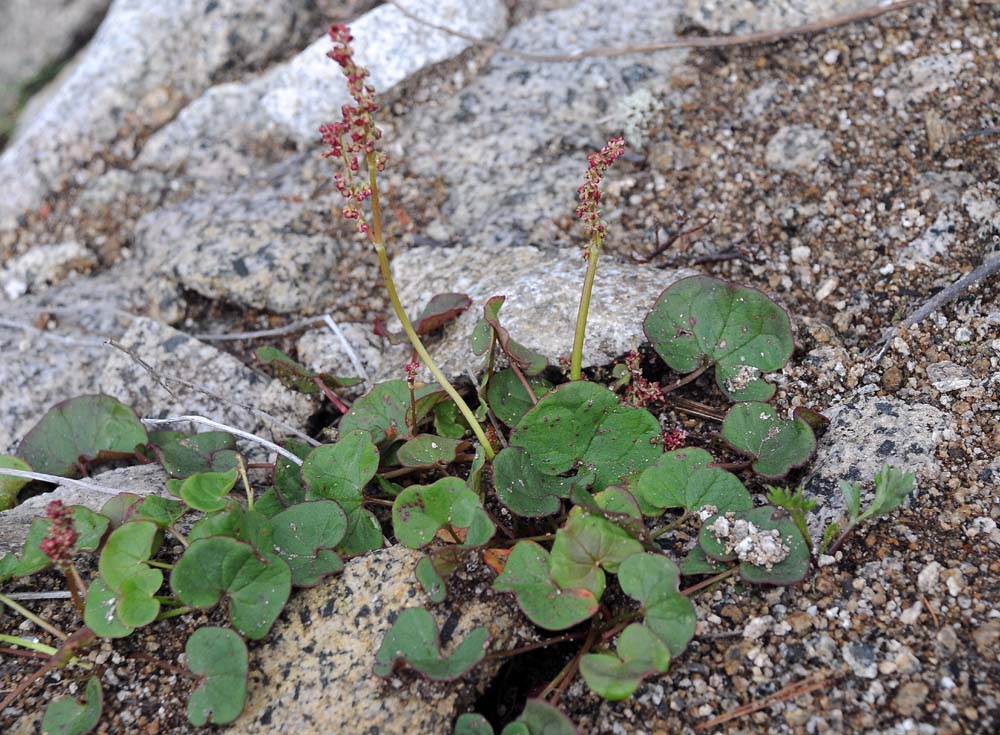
119	508
508	398
296	375
852	497
288	475
11	486
892	485
382	411
424	450
305	536
472	723
540	718
269	504
81	430
164	512
207	491
683	479
137	605
70	716
586	546
448	421
654	580
441	309
764	559
776	446
640	653
257	590
420	511
127	549
413	639
696	562
702	321
523	489
476	470
100	611
526	574
219	656
584	423
340	472
183	455
90	528
431	580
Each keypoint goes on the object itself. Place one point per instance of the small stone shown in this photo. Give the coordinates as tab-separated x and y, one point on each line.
861	658
797	148
947	640
929	578
831	57
801	254
825	560
946	376
963	334
910	697
757	627
910	615
986	637
892	379
954	581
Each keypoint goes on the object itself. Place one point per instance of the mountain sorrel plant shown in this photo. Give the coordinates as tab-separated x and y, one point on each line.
353	142
589	211
585	493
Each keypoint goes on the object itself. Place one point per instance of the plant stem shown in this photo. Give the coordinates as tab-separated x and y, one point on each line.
246	481
710	581
39	621
77	588
30	645
173	613
418	345
668	527
534	646
686	379
330	395
159	564
576	363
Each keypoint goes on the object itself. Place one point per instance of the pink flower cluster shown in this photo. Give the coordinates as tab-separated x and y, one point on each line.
58	544
412	367
641	391
354	137
674	438
590	192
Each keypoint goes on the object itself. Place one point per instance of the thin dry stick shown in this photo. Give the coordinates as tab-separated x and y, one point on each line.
50	336
276	332
703	42
792	690
989	266
224	427
56	480
351	354
29	596
162	378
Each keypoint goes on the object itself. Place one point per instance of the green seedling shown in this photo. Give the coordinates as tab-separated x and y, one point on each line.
413	640
447	508
219	657
183	455
892	486
775	446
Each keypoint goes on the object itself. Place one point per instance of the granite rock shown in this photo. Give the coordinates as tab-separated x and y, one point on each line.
147	479
797	149
753	16
44	265
322	350
543	292
865	433
518	135
178	355
911	82
313	675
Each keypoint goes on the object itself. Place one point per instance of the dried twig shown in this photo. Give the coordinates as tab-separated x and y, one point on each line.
224	427
703	42
989	266
276	332
30	596
792	690
163	378
56	480
50	336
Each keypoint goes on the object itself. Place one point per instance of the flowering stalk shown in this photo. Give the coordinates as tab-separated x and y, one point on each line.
352	140
58	545
590	199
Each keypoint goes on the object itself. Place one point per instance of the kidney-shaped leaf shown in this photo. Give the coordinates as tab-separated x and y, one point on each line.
472	723
702	321
526	574
11	486
69	716
524	489
414	640
305	536
586	546
540	718
508	397
584	423
219	657
217	566
420	511
382	411
683	479
207	491
766	540
427	449
776	446
183	455
653	580
639	653
80	430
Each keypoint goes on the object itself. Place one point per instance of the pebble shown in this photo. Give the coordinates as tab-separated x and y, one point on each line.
910	697
861	658
757	627
910	615
929	578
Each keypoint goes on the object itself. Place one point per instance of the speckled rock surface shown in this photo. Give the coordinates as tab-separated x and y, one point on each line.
543	293
174	51
313	675
178	355
141	480
751	16
521	130
797	149
322	350
864	434
22	59
44	265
